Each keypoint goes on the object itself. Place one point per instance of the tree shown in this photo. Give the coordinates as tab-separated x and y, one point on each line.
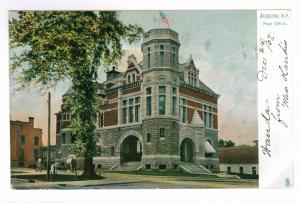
229	143
221	143
53	46
225	143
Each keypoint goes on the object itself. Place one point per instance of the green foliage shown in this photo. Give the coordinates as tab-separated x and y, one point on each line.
225	143
55	45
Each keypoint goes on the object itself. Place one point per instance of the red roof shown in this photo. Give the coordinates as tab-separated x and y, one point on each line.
239	155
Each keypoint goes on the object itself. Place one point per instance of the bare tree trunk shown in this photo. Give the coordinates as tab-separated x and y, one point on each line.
88	167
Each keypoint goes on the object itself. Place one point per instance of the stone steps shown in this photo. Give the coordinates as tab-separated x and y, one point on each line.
193	169
129	166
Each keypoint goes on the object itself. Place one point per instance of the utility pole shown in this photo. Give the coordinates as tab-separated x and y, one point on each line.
48	151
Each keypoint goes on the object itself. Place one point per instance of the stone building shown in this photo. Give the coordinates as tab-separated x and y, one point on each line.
157	114
25	143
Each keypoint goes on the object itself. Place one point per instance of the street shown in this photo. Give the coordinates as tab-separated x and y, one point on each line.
130	181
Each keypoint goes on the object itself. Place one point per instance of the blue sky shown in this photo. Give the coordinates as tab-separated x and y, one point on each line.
223	46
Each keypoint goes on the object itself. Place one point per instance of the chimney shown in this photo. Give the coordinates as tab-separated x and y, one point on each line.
31	122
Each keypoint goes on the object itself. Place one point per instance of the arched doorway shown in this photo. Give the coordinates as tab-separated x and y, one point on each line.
187	150
131	149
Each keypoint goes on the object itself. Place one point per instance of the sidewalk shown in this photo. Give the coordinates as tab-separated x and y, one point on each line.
130	181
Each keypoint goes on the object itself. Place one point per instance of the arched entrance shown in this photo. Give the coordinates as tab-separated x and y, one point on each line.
187	150
131	149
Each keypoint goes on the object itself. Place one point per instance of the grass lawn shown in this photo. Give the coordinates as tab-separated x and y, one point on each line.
55	178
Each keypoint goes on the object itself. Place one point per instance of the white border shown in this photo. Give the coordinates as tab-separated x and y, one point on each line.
275	138
228	195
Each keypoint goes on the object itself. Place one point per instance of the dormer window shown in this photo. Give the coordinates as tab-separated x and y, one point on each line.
133	77
129	79
192	78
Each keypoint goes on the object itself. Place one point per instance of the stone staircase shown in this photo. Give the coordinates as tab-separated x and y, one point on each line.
193	169
129	166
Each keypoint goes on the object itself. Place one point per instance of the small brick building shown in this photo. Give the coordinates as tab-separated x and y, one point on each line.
157	113
25	143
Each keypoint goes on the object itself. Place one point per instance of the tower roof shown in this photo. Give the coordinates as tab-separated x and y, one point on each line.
197	122
161	34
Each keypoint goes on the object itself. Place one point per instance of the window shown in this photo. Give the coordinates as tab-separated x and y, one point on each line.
36	140
162	132
162	166
148	101
148	58
148	137
228	169
73	138
175	166
162	105
112	151
183	110
99	166
21	154
66	116
161	56
193	79
241	170
148	90
124	113
19	127
162	100
63	138
254	171
35	154
148	166
207	116
98	150
128	78
22	139
137	113
208	154
173	57
174	99
131	110
162	89
149	106
133	77
101	119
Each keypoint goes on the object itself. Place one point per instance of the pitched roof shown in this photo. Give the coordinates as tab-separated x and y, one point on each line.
239	155
197	122
205	88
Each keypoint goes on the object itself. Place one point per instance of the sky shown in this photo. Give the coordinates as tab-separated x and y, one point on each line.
223	47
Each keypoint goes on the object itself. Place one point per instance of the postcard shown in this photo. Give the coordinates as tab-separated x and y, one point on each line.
150	99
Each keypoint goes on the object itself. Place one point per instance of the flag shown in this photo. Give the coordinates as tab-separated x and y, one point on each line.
164	19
